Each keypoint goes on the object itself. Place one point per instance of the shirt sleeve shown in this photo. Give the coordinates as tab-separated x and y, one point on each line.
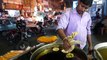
63	22
89	26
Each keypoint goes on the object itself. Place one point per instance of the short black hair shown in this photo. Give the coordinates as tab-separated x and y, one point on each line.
98	9
87	2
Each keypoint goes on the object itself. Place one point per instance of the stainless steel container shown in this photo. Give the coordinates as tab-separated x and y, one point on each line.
101	51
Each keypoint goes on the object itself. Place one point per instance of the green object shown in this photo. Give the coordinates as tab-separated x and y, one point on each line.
69	55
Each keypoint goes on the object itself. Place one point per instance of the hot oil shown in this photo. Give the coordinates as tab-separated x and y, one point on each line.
57	56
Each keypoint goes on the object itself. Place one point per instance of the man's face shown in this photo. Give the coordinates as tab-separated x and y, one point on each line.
82	8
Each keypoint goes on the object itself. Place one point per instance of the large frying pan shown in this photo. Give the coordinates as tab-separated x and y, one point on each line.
52	55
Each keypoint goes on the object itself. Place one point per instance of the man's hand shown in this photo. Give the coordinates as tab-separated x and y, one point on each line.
66	44
90	50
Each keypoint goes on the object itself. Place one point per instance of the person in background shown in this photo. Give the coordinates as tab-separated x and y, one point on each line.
57	16
77	20
98	15
21	23
20	17
104	26
0	14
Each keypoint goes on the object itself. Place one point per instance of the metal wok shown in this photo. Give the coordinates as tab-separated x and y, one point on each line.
49	54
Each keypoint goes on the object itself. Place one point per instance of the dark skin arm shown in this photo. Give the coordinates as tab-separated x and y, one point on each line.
89	43
63	37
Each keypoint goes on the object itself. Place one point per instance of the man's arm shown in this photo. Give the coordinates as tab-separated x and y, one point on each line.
89	42
63	37
62	24
61	33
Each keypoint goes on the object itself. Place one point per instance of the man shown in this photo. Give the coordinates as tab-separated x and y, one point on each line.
77	20
20	17
98	13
